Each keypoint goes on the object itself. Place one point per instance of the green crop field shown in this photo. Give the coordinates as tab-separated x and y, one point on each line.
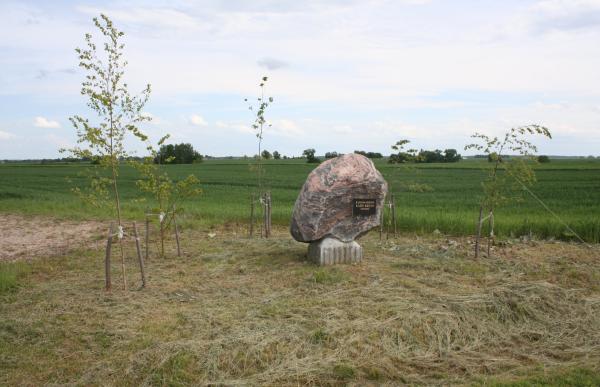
570	188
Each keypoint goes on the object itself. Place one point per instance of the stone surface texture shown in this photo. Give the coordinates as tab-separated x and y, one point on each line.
329	251
324	205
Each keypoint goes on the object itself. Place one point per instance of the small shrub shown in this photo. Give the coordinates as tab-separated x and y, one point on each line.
543	159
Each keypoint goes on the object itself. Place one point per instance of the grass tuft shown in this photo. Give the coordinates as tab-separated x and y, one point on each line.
10	275
343	371
329	276
320	337
578	377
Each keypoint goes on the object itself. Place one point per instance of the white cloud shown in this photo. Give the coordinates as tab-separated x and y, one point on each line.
551	106
6	135
154	17
237	126
285	127
42	122
58	141
397	128
565	15
272	63
153	119
197	120
279	127
342	129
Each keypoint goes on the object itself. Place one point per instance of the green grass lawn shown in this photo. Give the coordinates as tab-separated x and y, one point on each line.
571	188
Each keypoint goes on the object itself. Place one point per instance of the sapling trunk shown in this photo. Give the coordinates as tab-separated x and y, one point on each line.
162	239
120	226
107	272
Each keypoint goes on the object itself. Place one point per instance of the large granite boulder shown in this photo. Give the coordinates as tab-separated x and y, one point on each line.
327	203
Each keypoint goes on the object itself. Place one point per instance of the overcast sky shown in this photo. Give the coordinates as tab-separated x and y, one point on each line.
345	75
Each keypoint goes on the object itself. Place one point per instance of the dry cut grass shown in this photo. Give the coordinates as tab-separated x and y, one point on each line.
235	311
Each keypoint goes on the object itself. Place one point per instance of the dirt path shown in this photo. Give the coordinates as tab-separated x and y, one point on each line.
26	237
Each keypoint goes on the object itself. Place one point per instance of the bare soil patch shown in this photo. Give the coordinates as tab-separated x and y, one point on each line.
26	237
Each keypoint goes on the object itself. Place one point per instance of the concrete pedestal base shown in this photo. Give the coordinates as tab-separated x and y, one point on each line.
329	251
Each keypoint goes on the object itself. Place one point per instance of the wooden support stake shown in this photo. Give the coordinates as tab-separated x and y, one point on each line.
491	236
176	235
147	235
478	232
269	220
252	216
381	221
123	262
264	210
267	225
387	227
139	254
270	214
262	214
107	273
394	214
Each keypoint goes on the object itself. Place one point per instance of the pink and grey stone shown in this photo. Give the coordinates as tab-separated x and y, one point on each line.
324	206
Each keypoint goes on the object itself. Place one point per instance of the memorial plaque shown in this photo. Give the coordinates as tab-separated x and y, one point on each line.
364	207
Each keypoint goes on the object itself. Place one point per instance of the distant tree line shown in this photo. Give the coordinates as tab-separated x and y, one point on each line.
492	157
57	160
436	156
371	155
268	155
422	156
183	153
